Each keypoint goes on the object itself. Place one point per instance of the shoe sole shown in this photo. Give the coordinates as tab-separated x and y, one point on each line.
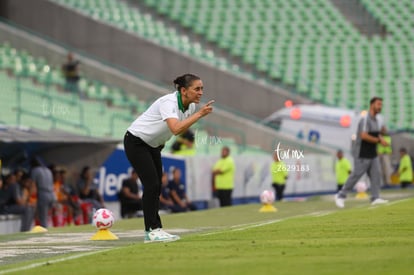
161	241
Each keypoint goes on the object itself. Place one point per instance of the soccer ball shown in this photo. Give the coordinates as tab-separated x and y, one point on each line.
361	187
103	219
267	197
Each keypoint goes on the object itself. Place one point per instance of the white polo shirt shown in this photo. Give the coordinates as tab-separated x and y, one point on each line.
151	126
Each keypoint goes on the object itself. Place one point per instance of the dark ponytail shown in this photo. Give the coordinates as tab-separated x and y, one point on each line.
184	81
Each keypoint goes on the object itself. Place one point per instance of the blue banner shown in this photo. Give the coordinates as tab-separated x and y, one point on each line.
117	168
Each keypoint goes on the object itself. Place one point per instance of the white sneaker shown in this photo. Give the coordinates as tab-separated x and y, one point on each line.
175	237
379	201
340	202
159	235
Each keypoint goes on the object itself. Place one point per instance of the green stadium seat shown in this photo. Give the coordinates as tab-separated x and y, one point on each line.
131	19
271	36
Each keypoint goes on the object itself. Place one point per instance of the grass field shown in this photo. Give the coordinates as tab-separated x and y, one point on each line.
311	237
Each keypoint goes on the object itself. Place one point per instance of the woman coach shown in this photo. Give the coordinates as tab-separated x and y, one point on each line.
169	115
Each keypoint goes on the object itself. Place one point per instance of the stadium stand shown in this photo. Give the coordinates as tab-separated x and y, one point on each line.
34	96
123	16
310	45
305	62
21	64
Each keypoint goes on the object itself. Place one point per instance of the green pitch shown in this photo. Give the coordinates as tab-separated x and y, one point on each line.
310	237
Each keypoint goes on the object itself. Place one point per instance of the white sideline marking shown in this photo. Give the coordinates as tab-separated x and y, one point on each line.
253	225
389	203
51	262
321	213
397	201
257	225
81	237
314	214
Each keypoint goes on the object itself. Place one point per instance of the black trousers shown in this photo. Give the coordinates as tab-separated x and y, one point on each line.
146	160
129	207
279	190
224	197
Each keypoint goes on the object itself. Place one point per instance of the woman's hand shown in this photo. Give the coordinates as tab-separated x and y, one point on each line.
178	127
206	109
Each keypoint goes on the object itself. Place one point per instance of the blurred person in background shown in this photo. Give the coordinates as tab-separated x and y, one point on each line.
130	196
29	191
166	202
184	145
66	209
19	173
87	189
43	178
384	155
70	71
366	156
405	169
15	201
178	193
279	175
223	176
342	169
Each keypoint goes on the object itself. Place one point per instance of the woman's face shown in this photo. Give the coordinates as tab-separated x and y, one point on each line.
194	92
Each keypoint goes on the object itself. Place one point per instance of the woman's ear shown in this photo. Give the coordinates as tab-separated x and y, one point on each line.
183	91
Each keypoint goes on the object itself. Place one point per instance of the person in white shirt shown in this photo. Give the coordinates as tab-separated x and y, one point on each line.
169	115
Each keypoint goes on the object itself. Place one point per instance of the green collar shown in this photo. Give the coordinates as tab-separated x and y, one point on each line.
180	103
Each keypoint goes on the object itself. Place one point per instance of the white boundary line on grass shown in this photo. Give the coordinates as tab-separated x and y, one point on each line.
31	266
314	214
253	225
389	203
